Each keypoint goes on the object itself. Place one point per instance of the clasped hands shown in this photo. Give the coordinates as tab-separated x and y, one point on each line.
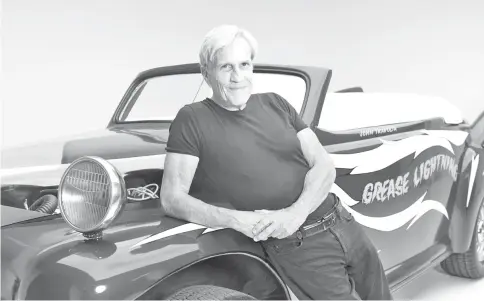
262	224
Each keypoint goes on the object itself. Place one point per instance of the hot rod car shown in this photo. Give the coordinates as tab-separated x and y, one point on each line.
82	219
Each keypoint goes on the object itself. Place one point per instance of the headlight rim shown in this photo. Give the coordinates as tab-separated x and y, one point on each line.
117	194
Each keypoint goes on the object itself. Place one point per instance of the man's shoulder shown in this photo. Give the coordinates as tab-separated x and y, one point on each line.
194	108
267	95
190	112
271	99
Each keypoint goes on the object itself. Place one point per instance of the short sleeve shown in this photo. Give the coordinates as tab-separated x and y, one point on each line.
184	135
294	117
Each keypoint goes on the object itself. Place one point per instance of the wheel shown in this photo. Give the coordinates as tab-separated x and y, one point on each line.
209	292
471	263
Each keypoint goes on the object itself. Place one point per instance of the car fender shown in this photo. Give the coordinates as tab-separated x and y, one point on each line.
468	198
241	271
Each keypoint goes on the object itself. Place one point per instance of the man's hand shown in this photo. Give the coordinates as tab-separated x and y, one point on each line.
245	221
278	224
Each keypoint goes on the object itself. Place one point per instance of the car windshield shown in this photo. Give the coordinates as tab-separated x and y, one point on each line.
160	98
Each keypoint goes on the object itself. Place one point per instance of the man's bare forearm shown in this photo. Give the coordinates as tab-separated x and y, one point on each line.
317	185
186	207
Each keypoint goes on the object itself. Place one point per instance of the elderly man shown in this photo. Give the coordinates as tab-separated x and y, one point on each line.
254	152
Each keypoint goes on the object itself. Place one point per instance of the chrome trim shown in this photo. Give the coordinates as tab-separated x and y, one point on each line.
117	193
142	84
93	235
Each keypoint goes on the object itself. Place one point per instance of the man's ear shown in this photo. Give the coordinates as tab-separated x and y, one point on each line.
205	74
203	69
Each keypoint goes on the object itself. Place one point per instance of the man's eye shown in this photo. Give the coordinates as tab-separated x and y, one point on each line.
226	66
245	64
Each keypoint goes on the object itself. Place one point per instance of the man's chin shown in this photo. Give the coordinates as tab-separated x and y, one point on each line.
239	101
240	96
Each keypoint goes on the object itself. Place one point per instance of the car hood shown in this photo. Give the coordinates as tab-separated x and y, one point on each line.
128	149
12	215
118	143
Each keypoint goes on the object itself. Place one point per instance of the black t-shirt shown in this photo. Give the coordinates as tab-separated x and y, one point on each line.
249	159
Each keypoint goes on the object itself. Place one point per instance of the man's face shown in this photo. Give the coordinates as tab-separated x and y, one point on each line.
230	75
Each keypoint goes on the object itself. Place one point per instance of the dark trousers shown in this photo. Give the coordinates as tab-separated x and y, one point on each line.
338	263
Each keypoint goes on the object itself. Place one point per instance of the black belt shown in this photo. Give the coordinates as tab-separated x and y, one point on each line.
322	224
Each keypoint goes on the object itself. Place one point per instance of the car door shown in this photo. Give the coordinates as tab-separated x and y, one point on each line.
395	170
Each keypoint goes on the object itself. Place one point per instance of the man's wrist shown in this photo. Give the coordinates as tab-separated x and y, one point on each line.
299	209
231	218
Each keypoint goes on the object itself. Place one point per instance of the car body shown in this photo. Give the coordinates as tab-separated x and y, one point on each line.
409	169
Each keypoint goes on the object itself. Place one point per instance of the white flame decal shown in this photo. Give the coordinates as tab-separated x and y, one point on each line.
175	231
472	178
397	220
388	153
456	137
343	196
392	151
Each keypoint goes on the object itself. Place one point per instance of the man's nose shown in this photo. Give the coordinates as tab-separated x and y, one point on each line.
236	75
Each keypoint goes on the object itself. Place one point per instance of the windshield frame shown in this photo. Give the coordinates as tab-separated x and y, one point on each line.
129	99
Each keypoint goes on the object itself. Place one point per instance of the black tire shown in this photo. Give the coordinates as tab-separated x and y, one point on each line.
467	264
209	292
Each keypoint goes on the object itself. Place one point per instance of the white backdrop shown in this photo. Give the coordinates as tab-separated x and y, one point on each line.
66	64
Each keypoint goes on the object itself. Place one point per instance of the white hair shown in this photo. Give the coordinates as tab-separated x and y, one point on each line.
220	37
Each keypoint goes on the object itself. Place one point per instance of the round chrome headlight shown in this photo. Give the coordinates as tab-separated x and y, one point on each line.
91	194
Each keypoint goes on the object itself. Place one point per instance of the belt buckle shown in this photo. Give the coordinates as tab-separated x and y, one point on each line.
310	226
330	220
326	221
